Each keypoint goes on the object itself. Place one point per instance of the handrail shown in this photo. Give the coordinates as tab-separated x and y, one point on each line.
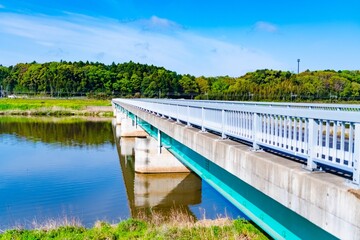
322	106
322	134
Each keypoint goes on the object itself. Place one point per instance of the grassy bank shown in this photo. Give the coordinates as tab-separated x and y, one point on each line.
141	229
55	107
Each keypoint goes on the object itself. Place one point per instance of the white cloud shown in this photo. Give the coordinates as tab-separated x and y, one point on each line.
163	23
156	24
43	38
266	27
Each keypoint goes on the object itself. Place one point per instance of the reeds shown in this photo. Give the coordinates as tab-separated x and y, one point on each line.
178	225
55	107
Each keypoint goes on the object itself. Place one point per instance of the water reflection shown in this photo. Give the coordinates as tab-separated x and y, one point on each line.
71	131
159	192
168	191
52	168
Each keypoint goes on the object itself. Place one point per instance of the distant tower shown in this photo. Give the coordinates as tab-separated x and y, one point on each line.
298	64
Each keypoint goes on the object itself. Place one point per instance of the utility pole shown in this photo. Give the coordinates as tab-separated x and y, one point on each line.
298	61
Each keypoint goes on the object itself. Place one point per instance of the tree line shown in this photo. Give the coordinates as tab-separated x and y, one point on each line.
84	78
62	79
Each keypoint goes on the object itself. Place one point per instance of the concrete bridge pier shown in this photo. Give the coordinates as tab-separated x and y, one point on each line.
127	146
151	157
159	192
120	116
129	128
116	128
166	190
117	131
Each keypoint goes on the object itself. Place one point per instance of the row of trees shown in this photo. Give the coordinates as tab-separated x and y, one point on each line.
79	78
141	80
270	85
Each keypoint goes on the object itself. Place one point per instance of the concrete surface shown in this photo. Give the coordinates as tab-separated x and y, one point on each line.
149	160
129	129
151	190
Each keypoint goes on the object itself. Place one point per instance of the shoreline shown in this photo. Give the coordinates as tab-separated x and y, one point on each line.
56	107
98	111
178	227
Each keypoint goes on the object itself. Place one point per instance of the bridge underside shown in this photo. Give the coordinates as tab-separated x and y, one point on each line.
267	181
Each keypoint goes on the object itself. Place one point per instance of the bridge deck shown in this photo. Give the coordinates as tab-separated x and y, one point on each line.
324	135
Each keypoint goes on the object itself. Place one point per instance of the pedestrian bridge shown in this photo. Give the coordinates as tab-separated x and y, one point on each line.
292	168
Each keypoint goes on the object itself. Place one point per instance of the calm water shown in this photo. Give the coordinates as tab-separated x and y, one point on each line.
53	168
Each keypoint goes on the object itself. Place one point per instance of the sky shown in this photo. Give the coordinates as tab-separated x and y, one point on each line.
210	38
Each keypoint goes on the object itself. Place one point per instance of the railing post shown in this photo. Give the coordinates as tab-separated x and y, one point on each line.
223	121
203	119
356	167
255	128
312	144
177	113
188	116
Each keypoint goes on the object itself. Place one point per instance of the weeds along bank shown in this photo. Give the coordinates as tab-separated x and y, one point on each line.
146	225
55	107
141	229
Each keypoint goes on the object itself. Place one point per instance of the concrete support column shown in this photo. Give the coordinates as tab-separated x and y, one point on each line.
148	160
119	117
117	131
129	129
127	146
166	190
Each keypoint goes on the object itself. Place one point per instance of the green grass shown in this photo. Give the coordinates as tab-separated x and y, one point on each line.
31	104
141	229
54	107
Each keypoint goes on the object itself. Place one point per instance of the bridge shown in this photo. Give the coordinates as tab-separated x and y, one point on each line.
291	168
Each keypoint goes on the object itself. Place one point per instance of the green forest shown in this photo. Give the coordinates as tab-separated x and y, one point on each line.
67	79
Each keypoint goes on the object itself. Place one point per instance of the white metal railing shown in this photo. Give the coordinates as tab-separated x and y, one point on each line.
322	134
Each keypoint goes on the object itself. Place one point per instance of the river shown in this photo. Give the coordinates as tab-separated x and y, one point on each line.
73	169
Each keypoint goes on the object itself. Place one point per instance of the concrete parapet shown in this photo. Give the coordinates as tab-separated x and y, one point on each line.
149	160
323	198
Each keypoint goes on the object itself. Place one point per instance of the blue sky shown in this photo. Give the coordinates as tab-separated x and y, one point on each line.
208	38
